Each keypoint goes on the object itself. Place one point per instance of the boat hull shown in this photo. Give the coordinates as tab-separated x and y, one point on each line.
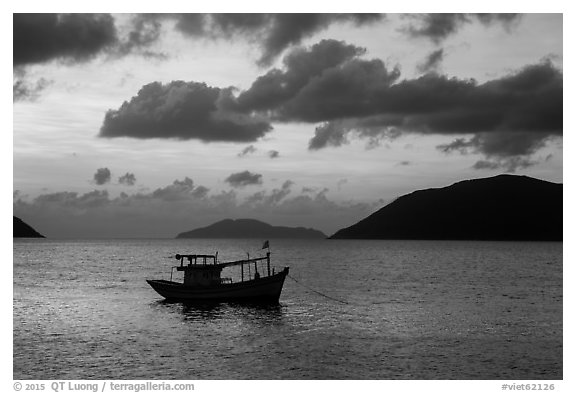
265	289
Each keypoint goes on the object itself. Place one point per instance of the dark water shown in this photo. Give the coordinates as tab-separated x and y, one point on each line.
416	310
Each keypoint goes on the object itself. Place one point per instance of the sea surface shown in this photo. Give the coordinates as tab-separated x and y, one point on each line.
392	310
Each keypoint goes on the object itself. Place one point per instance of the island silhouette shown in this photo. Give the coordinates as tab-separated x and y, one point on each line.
503	207
250	229
21	229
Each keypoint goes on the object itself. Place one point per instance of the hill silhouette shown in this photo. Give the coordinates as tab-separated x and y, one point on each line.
504	207
249	229
21	229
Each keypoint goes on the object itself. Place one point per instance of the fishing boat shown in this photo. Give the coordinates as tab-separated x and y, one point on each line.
203	280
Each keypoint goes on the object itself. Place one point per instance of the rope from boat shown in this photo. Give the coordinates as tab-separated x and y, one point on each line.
319	293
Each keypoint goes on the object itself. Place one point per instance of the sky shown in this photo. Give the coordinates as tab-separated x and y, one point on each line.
148	125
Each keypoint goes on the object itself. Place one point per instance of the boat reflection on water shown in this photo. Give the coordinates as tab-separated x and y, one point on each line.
262	314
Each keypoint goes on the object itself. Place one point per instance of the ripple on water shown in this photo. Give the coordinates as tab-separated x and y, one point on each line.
415	310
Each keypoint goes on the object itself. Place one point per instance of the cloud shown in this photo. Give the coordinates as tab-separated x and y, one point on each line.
182	110
274	90
24	90
180	190
70	39
193	110
247	150
127	179
432	61
330	85
506	20
156	213
290	29
251	150
144	31
330	134
77	38
513	115
102	176
40	38
263	199
73	38
72	203
243	179
484	164
437	27
433	103
497	144
181	206
509	165
273	33
336	133
508	151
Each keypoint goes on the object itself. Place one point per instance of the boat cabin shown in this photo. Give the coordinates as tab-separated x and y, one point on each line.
201	270
205	271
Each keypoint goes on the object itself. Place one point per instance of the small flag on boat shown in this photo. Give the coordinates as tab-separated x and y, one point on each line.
266	245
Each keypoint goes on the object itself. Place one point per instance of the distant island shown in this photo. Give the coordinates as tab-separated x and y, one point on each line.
21	229
504	207
250	229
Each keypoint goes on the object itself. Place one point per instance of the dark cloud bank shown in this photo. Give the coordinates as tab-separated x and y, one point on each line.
77	38
69	38
40	38
183	110
330	84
